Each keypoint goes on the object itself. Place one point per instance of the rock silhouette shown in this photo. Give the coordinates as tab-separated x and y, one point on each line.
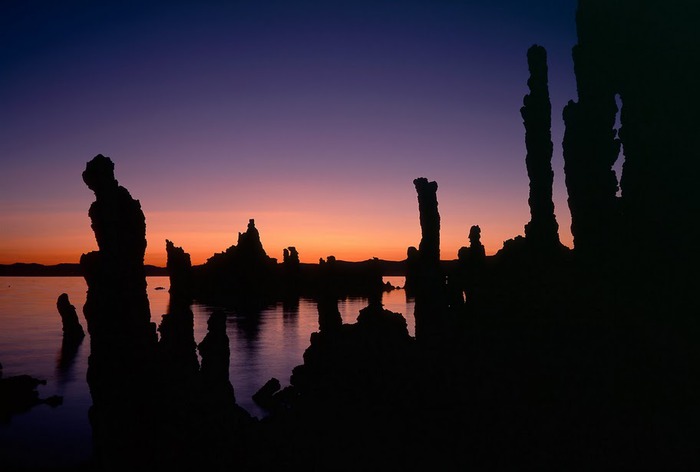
329	318
117	309
291	258
552	363
590	150
423	264
151	400
542	230
18	394
352	377
69	318
179	268
429	248
73	335
653	77
472	264
215	352
476	253
241	275
291	272
122	337
177	346
265	396
245	277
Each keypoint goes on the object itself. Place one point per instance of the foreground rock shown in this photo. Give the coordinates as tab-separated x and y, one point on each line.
18	394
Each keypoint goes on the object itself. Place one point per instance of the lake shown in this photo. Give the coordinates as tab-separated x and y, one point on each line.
30	343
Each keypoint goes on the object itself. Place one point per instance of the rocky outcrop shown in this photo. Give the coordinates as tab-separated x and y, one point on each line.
242	274
590	150
423	264
291	273
179	268
424	277
429	247
215	352
73	335
122	337
354	389
542	230
249	246
72	329
650	72
329	318
121	366
475	254
290	258
264	397
177	357
18	394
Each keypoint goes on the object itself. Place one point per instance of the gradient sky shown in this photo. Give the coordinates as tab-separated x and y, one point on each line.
313	117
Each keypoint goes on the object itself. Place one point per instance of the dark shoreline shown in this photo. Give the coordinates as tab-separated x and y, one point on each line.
22	269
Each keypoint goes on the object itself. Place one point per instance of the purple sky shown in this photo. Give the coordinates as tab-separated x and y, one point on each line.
311	117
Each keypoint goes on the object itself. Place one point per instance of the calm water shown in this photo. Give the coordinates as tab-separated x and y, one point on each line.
30	343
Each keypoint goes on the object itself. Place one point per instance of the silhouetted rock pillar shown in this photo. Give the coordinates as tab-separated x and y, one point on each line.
179	268
475	254
476	249
290	258
412	270
122	337
329	319
426	280
429	247
291	272
472	263
177	347
73	335
249	246
591	149
654	70
216	353
542	230
69	317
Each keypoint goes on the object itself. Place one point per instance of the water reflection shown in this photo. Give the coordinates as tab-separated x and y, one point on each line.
65	360
31	337
271	342
290	312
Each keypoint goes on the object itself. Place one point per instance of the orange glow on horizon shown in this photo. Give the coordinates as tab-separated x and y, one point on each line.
202	234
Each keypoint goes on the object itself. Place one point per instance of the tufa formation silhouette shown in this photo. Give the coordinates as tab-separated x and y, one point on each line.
179	268
551	362
69	318
542	230
429	248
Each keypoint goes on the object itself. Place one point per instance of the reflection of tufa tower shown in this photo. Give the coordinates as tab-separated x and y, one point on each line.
542	230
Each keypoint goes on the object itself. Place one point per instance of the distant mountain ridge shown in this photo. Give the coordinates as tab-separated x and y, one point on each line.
21	269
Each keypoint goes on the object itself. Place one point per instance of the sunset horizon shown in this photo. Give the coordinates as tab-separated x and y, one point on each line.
263	235
313	238
311	119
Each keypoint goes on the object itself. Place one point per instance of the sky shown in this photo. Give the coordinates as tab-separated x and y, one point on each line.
312	117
